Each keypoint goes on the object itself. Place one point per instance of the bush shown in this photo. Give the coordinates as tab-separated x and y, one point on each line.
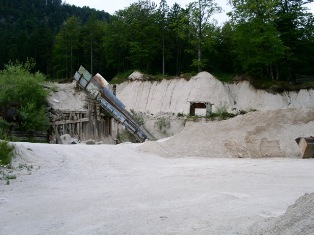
6	153
221	113
163	124
138	116
24	90
4	128
122	77
126	136
33	118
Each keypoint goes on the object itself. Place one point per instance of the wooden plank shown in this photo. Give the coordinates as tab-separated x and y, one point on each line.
70	121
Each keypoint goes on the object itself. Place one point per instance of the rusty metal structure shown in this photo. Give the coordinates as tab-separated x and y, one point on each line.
99	90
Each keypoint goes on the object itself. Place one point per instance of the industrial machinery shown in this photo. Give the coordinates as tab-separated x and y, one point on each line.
97	87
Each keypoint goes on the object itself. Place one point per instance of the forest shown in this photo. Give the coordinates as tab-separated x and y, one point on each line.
267	39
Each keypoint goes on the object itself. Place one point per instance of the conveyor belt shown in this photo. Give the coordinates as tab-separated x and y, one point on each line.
98	88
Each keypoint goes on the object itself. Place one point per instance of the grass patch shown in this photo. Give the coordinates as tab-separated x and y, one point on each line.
121	77
224	77
4	128
163	124
221	114
126	136
6	153
274	86
138	116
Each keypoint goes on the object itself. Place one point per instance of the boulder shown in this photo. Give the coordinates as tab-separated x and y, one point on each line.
90	142
136	75
65	139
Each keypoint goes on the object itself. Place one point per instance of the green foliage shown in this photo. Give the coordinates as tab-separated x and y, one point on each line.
20	86
224	77
200	12
28	29
270	39
221	113
258	47
139	118
6	153
66	49
133	37
126	136
295	26
10	177
24	90
4	129
163	124
33	117
121	77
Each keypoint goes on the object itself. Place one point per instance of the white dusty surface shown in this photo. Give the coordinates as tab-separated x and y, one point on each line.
298	219
66	97
254	135
106	189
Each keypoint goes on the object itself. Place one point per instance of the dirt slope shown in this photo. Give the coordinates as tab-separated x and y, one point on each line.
298	219
255	134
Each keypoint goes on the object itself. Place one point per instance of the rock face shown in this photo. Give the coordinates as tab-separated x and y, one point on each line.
246	97
173	96
136	75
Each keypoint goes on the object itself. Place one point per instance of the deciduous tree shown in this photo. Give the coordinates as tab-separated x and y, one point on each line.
200	13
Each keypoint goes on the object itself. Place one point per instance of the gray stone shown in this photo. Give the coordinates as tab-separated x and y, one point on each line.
90	142
65	139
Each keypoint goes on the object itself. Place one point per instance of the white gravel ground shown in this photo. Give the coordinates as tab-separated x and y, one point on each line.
105	189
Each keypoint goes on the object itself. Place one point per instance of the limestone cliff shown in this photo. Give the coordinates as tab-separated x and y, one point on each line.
172	96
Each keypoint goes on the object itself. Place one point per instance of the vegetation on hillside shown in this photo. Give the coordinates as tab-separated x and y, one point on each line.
28	29
270	40
6	153
22	98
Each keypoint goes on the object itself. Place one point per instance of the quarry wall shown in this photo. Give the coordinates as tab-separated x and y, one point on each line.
173	96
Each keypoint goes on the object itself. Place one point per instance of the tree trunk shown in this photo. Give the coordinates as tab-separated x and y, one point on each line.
199	52
91	57
163	55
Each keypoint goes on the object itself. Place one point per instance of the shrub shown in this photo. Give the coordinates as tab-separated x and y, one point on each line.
24	89
4	128
6	153
163	124
138	117
221	113
126	136
33	118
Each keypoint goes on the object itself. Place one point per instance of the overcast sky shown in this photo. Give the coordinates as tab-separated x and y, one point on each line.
111	6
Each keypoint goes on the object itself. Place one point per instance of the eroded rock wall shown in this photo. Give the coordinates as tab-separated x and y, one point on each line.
173	96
